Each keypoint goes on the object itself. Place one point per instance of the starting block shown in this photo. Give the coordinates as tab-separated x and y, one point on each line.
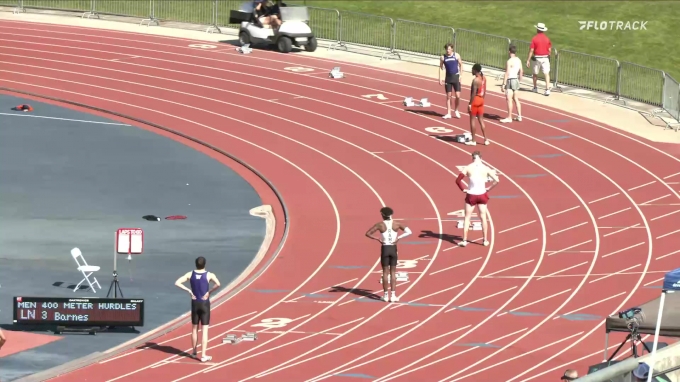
336	73
465	137
231	339
408	102
474	225
249	337
401	276
245	49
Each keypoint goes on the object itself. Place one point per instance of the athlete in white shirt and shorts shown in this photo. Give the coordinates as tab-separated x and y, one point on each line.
388	251
513	74
476	194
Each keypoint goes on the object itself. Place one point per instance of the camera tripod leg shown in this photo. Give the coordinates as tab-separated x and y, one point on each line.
619	348
644	344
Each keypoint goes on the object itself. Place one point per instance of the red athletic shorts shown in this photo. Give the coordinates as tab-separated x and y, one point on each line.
477	106
474	200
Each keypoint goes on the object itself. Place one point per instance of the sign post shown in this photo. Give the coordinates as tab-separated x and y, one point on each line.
129	241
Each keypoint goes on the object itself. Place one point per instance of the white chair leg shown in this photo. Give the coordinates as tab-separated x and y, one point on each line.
96	282
78	286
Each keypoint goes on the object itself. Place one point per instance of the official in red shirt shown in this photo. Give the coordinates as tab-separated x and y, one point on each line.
539	56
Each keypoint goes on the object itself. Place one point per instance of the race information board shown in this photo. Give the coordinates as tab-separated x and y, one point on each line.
78	311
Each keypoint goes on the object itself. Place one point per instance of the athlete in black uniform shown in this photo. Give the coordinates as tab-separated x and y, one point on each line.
388	250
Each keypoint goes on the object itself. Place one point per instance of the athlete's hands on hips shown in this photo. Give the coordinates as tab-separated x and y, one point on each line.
465	191
192	296
206	295
441	82
469	108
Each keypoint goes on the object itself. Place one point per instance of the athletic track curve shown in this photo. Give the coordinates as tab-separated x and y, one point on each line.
582	221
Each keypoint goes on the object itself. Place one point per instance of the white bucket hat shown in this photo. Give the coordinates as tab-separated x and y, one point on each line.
541	27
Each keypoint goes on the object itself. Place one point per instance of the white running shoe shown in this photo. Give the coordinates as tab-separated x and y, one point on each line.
394	298
487	142
386	297
486	243
505	120
547	92
206	358
519	118
471	143
463	243
447	116
535	90
457	114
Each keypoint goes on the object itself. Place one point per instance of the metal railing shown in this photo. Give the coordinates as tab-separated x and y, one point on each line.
402	39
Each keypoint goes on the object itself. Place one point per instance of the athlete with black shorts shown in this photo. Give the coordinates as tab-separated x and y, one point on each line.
454	68
388	250
200	291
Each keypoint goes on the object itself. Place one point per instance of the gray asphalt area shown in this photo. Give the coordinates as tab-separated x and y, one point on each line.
71	180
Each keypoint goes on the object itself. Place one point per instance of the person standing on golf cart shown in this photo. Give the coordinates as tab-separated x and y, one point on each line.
263	11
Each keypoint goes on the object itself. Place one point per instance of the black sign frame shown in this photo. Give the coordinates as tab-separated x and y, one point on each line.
59	300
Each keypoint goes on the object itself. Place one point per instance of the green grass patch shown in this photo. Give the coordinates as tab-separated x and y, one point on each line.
483	29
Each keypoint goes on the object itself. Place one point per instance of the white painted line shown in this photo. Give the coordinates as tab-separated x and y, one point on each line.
561	212
666	255
667	234
322	290
654	200
274	370
661	204
671	175
655	281
483	298
571	251
613	274
517	226
454	266
568	228
589	305
619	227
457	246
663	216
63	119
430	295
563	270
503	270
624	249
621	230
515	246
535	302
606	197
124	58
614	213
642	185
672	182
568	248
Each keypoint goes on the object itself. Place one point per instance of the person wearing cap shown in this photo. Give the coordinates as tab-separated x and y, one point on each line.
569	375
539	55
641	372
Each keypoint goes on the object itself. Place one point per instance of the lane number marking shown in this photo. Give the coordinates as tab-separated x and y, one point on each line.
298	69
438	129
378	96
273	323
202	46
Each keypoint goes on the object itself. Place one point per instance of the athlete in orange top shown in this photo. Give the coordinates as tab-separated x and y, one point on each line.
476	106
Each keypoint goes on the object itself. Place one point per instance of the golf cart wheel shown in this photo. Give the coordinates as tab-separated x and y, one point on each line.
285	45
244	38
311	44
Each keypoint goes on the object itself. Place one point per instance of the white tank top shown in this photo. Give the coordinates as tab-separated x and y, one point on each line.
389	235
515	65
477	184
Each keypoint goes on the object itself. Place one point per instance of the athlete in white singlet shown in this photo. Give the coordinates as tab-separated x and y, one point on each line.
513	74
388	250
476	193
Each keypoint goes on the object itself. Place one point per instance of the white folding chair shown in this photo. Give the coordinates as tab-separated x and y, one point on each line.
86	270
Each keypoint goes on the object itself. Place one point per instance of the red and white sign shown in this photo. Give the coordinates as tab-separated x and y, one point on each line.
129	241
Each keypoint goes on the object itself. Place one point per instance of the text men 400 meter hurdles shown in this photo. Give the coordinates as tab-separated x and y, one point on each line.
94	311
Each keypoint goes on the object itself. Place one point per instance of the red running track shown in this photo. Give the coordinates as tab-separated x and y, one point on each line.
582	221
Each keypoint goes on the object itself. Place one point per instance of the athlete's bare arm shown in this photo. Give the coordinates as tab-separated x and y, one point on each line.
505	77
492	174
213	278
441	67
460	65
473	91
459	179
376	227
180	283
400	226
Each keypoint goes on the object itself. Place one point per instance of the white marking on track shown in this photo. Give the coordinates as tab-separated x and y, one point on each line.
614	213
568	228
482	299
589	305
663	216
668	234
668	254
517	226
624	249
621	230
568	248
508	268
606	197
534	302
563	211
516	246
431	294
654	281
562	270
671	175
63	119
654	200
614	274
454	266
642	185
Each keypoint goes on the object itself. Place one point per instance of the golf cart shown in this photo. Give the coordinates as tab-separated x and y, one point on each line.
294	30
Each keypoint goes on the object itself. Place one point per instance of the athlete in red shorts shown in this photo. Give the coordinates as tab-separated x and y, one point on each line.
476	106
476	195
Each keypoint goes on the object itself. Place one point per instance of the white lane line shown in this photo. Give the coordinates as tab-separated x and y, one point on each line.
562	270
64	119
654	281
624	249
668	234
606	197
430	295
517	226
666	255
454	266
588	306
503	270
663	216
614	213
561	212
481	299
515	246
621	230
321	290
534	302
568	228
614	274
654	200
671	175
642	185
568	248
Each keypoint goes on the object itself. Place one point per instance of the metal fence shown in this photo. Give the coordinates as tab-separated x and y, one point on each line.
403	39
